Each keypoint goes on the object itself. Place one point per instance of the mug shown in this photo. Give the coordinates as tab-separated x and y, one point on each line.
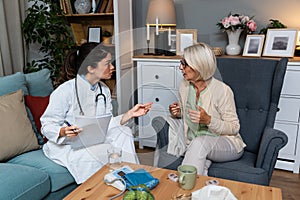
187	176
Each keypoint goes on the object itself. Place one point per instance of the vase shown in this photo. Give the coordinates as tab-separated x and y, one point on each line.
82	6
233	47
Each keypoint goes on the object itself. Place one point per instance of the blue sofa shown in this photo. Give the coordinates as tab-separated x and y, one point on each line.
31	175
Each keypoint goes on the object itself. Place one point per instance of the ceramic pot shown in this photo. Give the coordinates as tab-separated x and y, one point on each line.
233	47
82	6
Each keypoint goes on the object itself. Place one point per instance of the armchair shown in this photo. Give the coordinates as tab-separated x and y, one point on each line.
256	84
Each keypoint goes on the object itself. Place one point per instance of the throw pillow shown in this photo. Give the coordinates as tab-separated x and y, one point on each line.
37	106
39	83
12	83
16	133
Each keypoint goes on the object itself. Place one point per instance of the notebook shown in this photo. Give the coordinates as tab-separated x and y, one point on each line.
94	131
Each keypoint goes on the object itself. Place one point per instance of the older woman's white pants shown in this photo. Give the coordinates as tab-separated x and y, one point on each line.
204	149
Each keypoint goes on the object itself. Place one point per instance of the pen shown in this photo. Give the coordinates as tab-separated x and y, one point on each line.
68	124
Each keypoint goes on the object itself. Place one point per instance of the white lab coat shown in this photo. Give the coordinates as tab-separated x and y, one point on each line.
62	106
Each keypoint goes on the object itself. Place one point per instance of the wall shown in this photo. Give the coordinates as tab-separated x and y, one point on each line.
204	14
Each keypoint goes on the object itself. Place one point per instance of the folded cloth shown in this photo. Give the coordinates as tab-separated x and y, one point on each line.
213	192
177	142
140	177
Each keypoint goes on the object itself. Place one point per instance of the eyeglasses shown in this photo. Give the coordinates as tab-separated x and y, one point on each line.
183	63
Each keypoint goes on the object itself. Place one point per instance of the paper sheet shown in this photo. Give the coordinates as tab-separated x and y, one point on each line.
94	130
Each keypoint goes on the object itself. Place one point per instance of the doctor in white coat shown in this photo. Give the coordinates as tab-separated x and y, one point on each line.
86	95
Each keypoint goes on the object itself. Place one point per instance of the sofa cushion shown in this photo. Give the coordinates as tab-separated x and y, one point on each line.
39	83
12	83
17	135
37	106
23	182
59	175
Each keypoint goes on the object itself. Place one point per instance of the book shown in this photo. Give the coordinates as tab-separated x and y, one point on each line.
68	7
103	6
98	6
62	5
109	7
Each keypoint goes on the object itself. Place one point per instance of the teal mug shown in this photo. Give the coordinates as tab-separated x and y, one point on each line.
187	176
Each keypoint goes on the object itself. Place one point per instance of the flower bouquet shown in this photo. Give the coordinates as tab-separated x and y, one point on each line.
234	22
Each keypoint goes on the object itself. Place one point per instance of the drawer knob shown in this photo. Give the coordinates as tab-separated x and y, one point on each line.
157	99
156	76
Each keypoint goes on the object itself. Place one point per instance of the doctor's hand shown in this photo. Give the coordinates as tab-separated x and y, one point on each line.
137	111
141	109
69	131
199	116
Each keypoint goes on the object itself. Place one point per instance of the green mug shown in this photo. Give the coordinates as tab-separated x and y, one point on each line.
187	176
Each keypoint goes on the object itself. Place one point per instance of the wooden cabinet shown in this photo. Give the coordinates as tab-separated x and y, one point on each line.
287	119
119	23
157	82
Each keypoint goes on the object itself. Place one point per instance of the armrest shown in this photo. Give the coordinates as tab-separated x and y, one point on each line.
272	141
161	127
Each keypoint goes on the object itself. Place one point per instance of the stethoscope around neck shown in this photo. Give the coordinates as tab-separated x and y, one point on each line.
96	99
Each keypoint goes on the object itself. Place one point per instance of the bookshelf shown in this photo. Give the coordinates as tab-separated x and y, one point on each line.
116	18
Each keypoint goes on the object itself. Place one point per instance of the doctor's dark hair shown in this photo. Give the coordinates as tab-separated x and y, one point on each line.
77	61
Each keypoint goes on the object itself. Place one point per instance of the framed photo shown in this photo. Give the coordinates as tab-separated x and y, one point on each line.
185	38
94	34
280	42
254	45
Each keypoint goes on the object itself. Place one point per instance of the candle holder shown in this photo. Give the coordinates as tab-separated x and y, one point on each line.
148	49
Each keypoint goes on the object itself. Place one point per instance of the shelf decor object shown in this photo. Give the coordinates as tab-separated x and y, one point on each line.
82	6
161	15
253	45
234	25
280	42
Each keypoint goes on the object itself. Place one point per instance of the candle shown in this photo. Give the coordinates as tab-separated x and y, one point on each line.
148	31
156	27
169	37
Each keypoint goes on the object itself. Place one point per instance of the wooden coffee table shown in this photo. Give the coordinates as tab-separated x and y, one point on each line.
95	188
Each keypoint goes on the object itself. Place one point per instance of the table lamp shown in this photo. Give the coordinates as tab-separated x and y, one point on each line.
161	15
297	49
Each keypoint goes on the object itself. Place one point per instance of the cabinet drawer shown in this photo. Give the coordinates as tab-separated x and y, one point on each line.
288	109
161	98
291	130
157	74
291	83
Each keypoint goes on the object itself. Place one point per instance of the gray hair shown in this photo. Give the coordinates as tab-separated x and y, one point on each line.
201	59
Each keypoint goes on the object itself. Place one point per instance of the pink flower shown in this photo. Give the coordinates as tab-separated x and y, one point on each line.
234	20
226	22
245	19
251	25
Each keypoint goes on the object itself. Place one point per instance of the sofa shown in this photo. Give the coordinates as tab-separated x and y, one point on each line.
25	172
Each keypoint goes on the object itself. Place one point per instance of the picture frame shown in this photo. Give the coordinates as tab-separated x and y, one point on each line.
185	38
253	45
280	42
94	34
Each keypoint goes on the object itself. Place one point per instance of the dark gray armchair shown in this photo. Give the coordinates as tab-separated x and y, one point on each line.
256	84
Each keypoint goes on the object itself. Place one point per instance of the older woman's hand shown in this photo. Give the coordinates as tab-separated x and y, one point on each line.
175	109
199	116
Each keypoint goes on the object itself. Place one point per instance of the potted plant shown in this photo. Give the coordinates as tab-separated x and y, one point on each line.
274	23
46	26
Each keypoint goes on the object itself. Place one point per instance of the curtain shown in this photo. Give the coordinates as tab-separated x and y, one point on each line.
12	45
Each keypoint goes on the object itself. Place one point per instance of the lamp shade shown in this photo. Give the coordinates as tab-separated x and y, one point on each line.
164	10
